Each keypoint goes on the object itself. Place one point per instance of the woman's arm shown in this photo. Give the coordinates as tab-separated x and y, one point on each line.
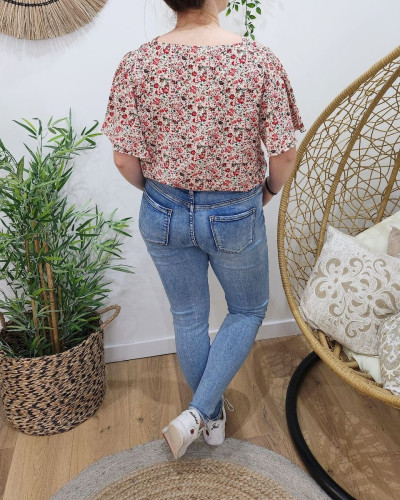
280	168
129	166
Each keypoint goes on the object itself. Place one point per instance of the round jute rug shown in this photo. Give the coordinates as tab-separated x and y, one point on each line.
236	469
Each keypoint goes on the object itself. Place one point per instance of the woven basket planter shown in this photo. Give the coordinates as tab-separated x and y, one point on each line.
55	393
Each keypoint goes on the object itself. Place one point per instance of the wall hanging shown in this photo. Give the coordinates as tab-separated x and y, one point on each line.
41	19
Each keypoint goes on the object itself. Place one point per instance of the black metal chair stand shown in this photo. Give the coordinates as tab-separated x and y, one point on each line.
308	459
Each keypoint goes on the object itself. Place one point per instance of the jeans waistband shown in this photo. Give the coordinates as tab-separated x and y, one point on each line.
201	199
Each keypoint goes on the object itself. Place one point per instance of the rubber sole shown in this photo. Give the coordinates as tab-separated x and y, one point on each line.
174	439
213	444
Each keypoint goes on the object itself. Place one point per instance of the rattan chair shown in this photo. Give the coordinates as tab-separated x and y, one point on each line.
346	175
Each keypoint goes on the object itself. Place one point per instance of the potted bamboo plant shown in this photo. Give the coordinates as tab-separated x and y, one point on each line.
53	259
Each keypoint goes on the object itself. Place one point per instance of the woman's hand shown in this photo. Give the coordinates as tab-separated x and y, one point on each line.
280	169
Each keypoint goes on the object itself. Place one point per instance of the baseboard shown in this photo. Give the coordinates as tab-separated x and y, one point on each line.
166	345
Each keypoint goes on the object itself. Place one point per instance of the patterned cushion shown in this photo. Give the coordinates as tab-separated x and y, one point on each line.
351	291
376	238
389	352
394	242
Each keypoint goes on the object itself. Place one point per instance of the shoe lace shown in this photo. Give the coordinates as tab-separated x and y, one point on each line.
212	423
228	403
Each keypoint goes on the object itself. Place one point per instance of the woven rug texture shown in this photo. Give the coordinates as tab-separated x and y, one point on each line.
233	470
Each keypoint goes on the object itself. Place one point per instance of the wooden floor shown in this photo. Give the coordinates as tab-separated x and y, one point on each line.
354	437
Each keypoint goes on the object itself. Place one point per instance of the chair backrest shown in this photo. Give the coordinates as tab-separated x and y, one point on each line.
347	170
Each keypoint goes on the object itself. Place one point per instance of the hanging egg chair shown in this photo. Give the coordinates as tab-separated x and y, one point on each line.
347	176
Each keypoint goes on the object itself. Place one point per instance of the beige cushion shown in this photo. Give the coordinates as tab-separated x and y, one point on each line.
351	291
389	352
394	242
377	236
366	363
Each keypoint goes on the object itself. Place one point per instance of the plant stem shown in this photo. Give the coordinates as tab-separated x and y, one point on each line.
35	320
42	280
54	332
62	346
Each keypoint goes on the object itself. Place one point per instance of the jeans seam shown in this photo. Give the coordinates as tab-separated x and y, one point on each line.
156	205
167	212
191	221
201	206
250	213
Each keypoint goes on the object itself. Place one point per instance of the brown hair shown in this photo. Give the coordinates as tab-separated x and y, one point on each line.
184	5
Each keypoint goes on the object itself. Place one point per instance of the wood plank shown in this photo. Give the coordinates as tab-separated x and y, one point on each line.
8	439
353	436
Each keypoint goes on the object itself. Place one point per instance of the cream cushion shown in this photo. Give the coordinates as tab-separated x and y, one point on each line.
367	364
394	242
377	236
389	352
351	291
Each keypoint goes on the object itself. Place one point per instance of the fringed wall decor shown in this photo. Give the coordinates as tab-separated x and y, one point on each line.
41	19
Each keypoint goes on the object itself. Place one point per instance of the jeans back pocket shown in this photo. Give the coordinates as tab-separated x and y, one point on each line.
233	233
154	220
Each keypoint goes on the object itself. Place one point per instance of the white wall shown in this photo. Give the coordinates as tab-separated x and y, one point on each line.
324	46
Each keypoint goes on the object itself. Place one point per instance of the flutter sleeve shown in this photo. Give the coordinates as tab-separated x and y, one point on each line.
279	114
121	122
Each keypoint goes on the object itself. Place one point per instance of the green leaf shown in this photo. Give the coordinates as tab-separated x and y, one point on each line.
122	269
94	126
81	248
31	128
38	292
122	232
40	126
31	152
55	138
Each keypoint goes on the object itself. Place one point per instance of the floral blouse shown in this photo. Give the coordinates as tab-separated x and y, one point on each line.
195	116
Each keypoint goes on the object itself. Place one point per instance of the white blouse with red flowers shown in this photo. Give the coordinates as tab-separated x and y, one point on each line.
196	115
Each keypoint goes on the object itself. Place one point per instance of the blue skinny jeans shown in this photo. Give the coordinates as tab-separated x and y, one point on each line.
185	230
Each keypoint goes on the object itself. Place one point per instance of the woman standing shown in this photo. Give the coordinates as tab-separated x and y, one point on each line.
186	116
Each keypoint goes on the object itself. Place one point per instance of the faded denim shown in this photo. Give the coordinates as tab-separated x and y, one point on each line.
184	231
